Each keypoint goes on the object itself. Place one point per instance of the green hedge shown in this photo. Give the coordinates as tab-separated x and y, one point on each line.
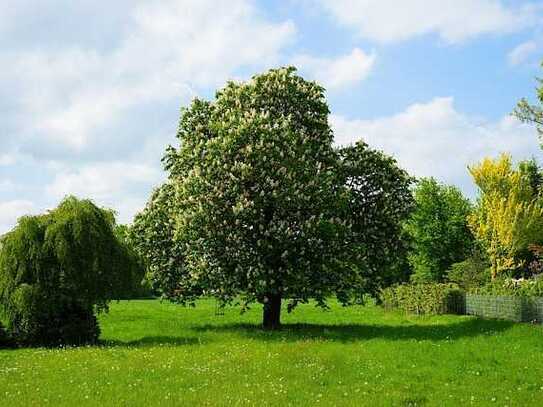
430	298
532	287
488	302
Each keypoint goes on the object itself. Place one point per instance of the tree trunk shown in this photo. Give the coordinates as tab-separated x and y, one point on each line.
272	312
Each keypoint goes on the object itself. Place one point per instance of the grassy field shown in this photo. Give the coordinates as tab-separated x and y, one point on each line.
160	354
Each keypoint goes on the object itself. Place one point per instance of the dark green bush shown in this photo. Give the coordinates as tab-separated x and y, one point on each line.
140	286
430	298
38	318
4	341
57	270
471	273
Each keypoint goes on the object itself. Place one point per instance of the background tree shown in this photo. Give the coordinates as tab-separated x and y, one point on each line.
470	273
439	230
57	269
509	212
265	209
532	113
153	237
139	287
379	201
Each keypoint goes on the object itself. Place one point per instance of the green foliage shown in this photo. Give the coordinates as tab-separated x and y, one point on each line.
254	179
532	287
470	273
139	286
379	200
531	172
153	238
508	218
57	269
4	340
430	298
438	229
531	113
260	205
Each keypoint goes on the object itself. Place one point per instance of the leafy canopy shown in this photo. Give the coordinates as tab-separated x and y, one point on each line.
509	213
260	204
55	269
532	113
153	237
438	229
471	273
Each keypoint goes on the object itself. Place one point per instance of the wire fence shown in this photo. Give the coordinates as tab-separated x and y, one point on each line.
520	309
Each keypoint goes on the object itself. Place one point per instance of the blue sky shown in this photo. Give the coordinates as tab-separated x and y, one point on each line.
90	95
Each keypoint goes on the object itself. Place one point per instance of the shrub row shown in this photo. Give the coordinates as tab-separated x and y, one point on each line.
513	300
429	298
532	287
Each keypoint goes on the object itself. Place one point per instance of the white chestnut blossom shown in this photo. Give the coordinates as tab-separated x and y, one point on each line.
266	208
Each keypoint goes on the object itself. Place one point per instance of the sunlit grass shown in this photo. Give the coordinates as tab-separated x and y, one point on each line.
161	354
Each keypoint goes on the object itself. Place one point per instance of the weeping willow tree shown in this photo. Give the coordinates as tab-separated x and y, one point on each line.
58	269
509	214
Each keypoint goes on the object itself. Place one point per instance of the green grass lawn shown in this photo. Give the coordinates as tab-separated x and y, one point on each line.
162	354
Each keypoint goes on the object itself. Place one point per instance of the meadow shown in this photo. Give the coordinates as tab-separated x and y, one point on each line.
157	353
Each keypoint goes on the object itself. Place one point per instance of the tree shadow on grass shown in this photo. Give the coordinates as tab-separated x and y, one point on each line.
146	341
152	341
361	332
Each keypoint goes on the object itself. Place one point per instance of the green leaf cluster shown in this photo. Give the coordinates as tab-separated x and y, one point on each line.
508	217
532	113
260	203
139	286
152	235
57	269
471	273
532	287
438	230
429	298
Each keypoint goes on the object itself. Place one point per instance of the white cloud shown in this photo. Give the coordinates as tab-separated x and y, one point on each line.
91	100
453	20
522	52
167	48
10	211
7	185
7	159
122	186
336	73
434	139
101	180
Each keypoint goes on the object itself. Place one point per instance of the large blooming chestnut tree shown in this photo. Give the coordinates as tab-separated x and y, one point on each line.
263	208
